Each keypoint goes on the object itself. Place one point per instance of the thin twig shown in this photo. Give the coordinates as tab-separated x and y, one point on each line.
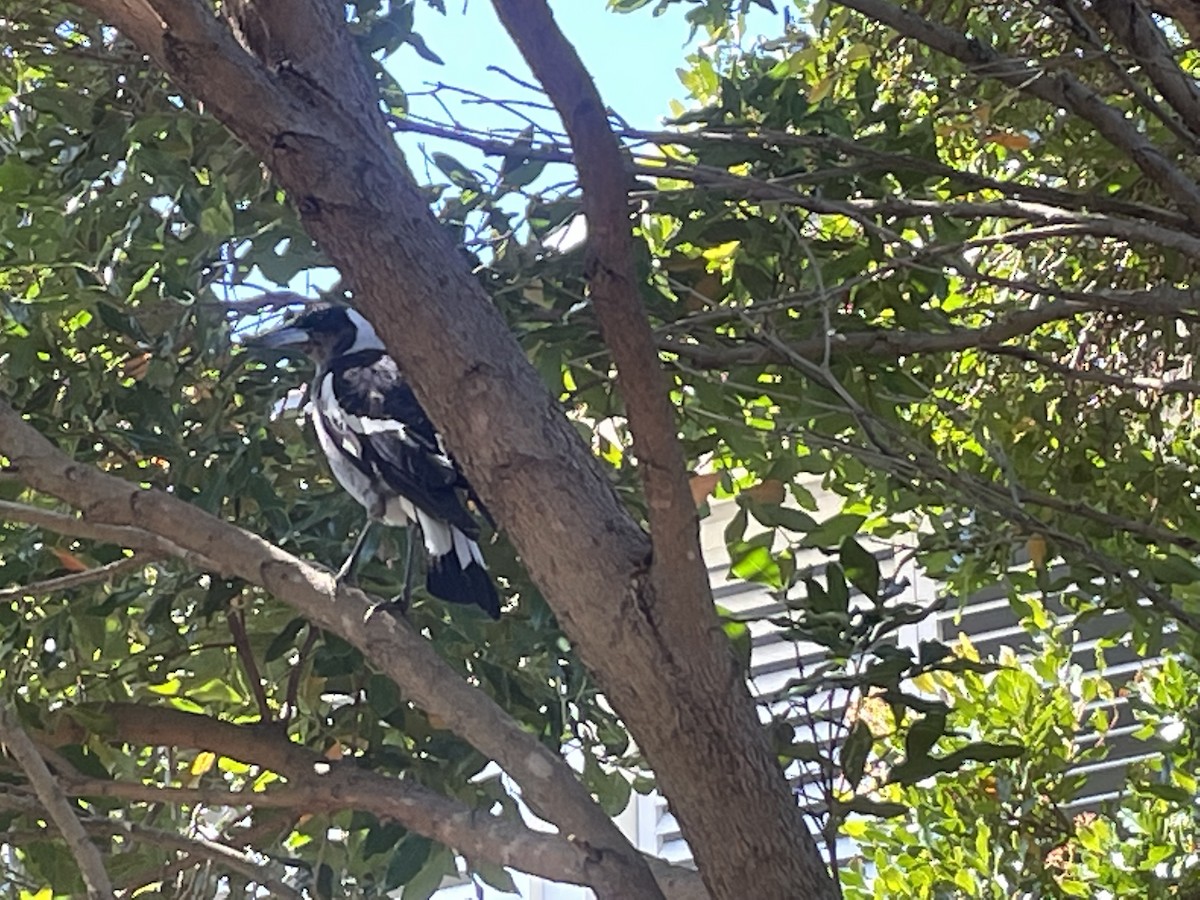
1096	376
17	800
121	535
293	685
66	582
237	628
58	808
1060	89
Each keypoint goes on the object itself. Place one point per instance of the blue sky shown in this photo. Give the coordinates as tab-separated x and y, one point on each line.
632	57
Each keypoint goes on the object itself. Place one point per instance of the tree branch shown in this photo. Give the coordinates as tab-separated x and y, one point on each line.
615	288
1028	201
677	687
106	572
1096	376
1033	193
876	342
1163	300
1134	28
51	795
1060	89
228	858
223	855
1186	14
237	628
548	784
291	703
317	784
679	600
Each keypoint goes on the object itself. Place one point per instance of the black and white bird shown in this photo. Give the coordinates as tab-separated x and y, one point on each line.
385	452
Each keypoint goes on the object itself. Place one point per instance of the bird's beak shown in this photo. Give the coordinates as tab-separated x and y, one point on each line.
279	339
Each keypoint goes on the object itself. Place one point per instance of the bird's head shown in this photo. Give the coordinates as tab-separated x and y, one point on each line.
322	332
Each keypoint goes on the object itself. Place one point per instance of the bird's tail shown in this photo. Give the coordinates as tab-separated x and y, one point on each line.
457	572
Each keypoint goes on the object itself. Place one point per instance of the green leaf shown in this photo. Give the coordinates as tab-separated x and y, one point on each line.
325	882
1169	792
418	43
930	652
409	859
860	567
924	734
839	593
382	838
285	639
753	561
778	516
833	530
382	695
739	636
494	876
458	173
854	753
523	173
423	884
217	220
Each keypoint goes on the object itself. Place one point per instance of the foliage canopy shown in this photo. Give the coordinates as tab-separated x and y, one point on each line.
934	265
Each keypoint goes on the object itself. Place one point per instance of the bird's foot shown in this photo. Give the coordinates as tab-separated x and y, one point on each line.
399	605
394	607
345	575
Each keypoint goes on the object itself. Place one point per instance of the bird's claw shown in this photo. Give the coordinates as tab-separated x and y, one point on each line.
395	607
398	605
343	576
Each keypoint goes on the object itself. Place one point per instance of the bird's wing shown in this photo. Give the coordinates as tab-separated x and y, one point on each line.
378	419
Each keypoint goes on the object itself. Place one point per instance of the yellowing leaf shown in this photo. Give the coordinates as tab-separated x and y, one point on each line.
821	89
204	761
925	682
69	560
769	491
233	766
721	252
168	688
965	649
1035	546
703	485
854	828
1008	140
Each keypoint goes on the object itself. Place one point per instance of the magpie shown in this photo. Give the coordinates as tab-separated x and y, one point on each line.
385	452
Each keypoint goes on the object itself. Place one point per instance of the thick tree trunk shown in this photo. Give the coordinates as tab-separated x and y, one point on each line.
665	665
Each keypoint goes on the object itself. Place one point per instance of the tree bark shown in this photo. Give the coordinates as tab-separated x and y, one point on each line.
685	639
58	809
115	510
310	113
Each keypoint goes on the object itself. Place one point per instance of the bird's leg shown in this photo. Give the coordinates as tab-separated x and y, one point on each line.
401	602
409	543
348	566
